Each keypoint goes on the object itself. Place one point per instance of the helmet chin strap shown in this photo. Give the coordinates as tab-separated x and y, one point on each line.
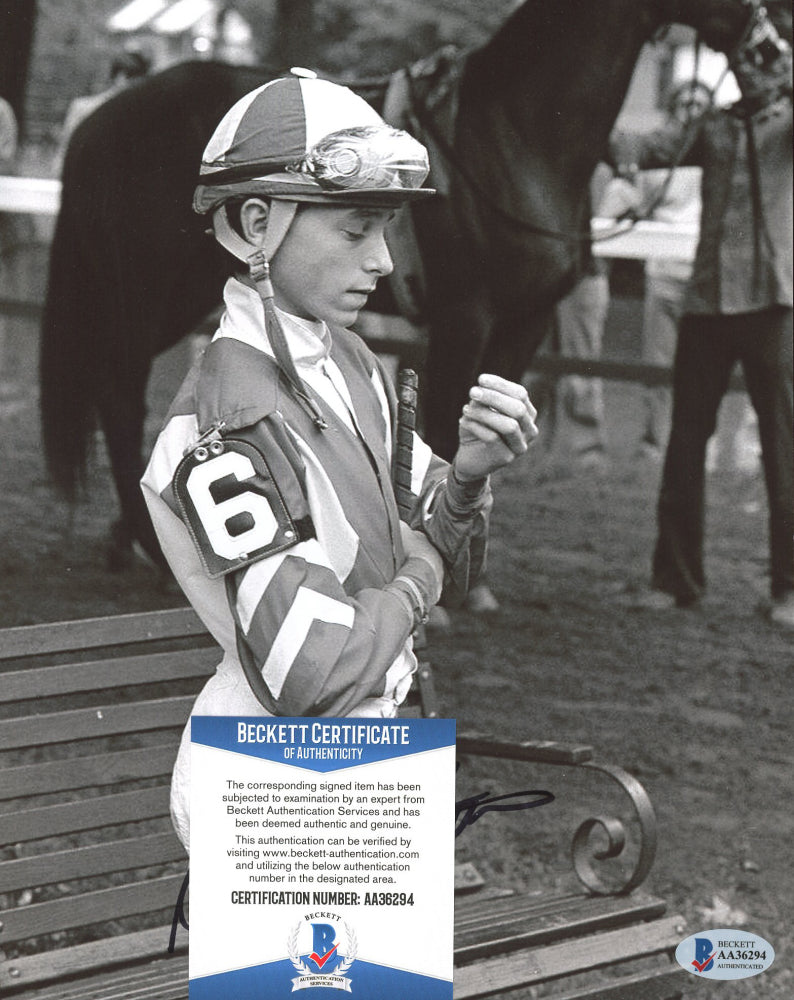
280	217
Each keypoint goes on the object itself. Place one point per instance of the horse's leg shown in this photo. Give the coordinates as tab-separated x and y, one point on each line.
121	406
455	348
515	340
508	353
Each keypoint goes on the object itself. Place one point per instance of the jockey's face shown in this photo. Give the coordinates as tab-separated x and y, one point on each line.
330	261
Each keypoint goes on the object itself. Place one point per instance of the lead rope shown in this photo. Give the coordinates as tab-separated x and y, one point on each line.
686	144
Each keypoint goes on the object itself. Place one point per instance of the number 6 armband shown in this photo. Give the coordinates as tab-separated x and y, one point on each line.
233	507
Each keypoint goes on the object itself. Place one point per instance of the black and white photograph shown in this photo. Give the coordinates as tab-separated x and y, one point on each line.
396	412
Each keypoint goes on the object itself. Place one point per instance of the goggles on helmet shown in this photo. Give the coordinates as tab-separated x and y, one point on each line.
370	165
366	158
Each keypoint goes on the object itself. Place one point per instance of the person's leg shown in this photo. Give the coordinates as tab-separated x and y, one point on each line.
580	414
703	362
661	313
766	355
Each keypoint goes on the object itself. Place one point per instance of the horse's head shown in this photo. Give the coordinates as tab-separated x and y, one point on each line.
749	33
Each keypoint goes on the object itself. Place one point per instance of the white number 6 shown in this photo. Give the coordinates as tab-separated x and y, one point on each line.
215	517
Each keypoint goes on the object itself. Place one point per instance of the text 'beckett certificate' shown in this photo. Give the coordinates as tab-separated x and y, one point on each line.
322	858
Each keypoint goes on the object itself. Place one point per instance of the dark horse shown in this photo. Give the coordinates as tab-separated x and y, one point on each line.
131	271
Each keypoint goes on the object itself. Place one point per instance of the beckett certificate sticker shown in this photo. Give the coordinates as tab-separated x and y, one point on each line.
321	858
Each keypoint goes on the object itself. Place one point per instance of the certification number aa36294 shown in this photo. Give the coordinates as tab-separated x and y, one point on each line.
388	899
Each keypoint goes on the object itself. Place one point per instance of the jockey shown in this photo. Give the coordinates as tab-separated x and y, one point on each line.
270	484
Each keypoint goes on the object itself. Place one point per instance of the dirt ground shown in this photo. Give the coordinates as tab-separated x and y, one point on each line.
696	704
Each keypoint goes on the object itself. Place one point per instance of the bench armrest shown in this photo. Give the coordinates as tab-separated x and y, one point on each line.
584	856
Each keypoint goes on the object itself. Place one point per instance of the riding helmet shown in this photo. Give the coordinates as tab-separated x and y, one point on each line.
307	140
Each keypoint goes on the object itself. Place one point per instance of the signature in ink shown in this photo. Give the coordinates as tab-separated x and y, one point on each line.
468	811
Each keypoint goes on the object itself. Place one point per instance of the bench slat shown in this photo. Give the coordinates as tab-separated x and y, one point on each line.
73	773
475	910
91	860
27	684
87	723
498	975
166	979
127	900
129	947
88	633
84	814
159	978
514	922
547	751
664	984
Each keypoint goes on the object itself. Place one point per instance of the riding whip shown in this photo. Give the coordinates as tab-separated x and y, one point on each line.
407	392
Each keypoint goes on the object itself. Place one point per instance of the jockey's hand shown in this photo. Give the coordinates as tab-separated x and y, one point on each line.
497	425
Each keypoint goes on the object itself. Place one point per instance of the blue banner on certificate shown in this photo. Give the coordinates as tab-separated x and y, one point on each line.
321	858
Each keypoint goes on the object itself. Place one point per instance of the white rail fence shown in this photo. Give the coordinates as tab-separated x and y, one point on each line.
638	241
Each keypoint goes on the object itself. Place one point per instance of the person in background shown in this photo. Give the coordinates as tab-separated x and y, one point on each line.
738	307
675	198
14	233
9	137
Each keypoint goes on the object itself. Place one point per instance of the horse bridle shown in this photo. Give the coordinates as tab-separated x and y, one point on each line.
758	34
759	42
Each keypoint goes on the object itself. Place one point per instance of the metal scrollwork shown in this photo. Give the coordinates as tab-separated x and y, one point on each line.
584	854
587	849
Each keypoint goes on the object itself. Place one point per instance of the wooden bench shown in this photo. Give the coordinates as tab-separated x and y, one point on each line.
599	936
90	716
